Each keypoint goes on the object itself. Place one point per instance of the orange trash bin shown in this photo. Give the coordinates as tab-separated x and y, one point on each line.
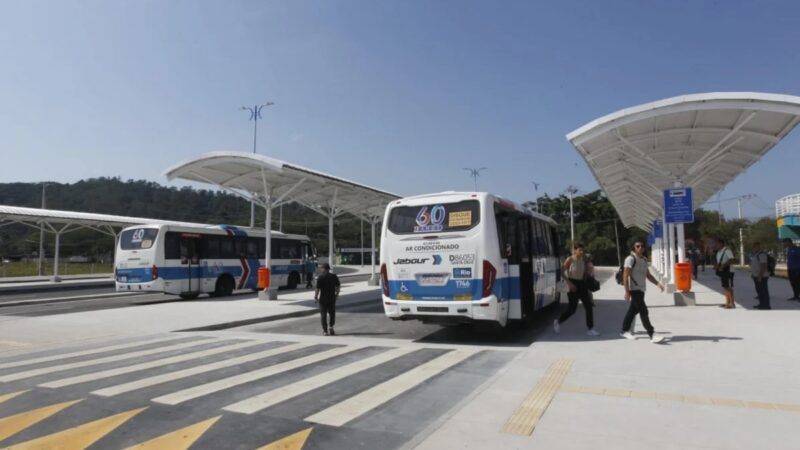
683	276
263	277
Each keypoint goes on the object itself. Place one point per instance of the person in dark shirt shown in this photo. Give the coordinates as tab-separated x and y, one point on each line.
793	266
325	295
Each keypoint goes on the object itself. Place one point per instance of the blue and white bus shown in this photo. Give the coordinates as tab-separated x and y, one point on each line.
216	260
458	257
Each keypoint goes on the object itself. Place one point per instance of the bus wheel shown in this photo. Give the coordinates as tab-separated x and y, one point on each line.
224	286
190	296
294	280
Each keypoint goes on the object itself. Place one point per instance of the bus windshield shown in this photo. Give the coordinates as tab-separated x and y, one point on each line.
137	238
435	218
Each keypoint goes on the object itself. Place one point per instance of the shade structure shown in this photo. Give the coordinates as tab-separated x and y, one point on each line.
270	183
60	222
247	175
702	141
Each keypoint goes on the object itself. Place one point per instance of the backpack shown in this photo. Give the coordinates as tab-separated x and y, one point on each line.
620	273
771	265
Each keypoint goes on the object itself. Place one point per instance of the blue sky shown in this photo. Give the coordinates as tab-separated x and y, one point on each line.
399	95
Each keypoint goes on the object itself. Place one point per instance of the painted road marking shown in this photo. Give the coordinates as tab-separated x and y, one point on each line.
109	348
691	399
185	373
292	442
120	357
236	380
180	439
147	365
343	412
12	425
80	437
527	416
283	393
7	397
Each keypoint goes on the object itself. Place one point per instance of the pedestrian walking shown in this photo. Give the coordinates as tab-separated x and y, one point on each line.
694	257
634	279
759	270
574	271
793	266
326	294
724	259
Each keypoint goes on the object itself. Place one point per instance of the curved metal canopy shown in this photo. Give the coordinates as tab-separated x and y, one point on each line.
248	173
702	141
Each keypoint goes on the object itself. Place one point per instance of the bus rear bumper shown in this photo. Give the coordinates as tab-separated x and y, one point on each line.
444	311
156	285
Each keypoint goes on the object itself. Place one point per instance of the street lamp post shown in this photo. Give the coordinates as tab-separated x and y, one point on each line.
536	195
255	114
475	173
571	191
739	201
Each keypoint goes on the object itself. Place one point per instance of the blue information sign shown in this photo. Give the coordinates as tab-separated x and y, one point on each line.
678	206
658	229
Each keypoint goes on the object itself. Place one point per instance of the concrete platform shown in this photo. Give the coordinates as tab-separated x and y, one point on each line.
723	379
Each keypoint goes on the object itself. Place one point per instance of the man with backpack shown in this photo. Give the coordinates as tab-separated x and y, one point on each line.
724	259
635	275
759	270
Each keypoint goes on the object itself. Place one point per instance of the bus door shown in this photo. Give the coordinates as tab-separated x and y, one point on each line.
526	280
190	259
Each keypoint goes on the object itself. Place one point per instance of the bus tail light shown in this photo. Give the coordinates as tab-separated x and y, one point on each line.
489	277
385	279
155	271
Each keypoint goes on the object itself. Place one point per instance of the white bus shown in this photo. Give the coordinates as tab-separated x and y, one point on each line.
216	260
459	257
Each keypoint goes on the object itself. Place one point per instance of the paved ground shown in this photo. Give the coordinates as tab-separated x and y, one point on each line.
116	377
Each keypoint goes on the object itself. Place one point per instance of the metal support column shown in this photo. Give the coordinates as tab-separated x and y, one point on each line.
331	216
270	293
373	279
671	262
665	248
56	278
681	243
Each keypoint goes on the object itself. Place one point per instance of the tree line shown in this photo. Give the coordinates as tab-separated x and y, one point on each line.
595	218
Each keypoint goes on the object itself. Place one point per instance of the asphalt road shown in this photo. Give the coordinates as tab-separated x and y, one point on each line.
93	299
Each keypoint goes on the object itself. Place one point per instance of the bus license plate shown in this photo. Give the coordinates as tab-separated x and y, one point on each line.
432	279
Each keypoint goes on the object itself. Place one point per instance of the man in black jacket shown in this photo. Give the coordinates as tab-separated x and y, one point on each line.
325	295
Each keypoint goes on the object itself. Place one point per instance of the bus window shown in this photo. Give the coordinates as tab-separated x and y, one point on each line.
239	246
226	250
172	245
548	239
252	248
524	240
211	244
536	238
555	243
138	238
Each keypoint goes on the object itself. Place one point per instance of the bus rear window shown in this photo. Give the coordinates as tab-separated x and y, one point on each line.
138	238
435	218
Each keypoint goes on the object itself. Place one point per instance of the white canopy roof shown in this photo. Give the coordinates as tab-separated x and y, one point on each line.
100	222
701	141
248	175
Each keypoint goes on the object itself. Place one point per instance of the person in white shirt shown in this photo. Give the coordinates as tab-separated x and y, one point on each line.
724	259
759	270
634	279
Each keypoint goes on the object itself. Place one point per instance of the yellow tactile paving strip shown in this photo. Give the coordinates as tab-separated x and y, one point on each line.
691	399
526	417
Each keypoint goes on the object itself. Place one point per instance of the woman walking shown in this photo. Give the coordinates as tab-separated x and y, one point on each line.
574	271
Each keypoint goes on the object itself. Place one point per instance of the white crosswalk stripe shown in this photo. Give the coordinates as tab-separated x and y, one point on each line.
92	351
185	373
119	357
343	412
236	380
283	393
147	365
